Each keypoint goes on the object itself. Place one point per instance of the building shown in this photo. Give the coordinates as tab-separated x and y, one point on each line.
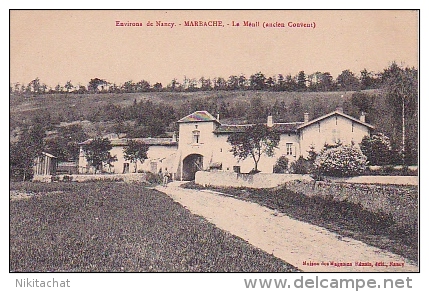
45	165
202	144
161	154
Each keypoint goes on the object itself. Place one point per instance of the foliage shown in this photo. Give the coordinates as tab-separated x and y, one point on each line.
282	165
97	153
23	152
400	87
254	141
301	166
135	151
343	160
347	81
377	149
65	145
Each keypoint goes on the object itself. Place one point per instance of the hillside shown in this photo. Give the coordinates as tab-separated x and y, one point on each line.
70	107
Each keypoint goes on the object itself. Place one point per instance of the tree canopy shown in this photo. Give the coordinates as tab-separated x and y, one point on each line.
97	153
254	141
135	151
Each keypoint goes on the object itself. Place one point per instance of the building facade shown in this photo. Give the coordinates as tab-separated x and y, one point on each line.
202	144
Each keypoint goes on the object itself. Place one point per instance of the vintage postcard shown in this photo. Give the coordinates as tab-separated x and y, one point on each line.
209	141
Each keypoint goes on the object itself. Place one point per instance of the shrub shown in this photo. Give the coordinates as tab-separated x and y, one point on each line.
282	165
377	149
344	160
301	166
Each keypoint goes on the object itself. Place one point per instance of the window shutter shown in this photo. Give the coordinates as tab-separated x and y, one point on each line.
293	150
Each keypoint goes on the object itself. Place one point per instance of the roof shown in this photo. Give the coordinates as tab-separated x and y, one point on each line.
333	114
147	141
279	127
231	129
48	154
198	116
287	127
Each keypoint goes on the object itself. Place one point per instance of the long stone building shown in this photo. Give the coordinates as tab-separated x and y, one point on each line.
202	144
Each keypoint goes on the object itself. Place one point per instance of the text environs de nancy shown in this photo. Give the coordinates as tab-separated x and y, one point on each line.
217	23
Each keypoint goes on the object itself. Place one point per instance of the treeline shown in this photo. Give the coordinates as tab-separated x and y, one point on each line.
393	110
317	81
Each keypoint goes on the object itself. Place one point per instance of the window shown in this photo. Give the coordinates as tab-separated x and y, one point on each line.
236	169
126	168
289	148
196	136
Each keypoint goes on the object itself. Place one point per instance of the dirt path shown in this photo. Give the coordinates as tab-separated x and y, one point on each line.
293	241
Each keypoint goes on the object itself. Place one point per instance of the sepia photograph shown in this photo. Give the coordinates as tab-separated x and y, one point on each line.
213	141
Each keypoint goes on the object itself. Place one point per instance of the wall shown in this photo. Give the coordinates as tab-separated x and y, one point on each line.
259	180
221	153
129	177
331	128
399	201
163	155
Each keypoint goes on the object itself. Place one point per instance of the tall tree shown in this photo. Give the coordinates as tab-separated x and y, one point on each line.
257	81
347	81
400	86
301	81
254	141
135	151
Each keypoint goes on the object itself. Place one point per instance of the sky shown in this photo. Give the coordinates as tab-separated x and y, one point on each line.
57	46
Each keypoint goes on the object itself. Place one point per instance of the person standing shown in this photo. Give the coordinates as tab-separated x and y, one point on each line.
166	176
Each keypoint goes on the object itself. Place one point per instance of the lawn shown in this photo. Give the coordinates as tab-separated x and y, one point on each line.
118	227
342	217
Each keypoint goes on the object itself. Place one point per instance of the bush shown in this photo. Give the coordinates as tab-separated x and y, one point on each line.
282	165
377	149
301	166
344	160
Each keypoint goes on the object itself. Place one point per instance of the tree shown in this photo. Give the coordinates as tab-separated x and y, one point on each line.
254	141
400	86
135	151
301	81
95	83
347	81
377	149
363	101
22	153
157	86
257	81
367	80
69	86
97	153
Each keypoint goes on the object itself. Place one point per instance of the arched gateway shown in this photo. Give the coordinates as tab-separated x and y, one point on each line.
191	164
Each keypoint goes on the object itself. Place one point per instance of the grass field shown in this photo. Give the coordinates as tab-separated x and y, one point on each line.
117	227
344	218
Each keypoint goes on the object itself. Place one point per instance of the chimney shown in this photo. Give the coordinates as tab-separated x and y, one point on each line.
217	117
174	139
362	117
270	121
306	117
339	109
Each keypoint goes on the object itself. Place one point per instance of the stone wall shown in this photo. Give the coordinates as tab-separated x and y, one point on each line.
257	181
129	177
399	201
